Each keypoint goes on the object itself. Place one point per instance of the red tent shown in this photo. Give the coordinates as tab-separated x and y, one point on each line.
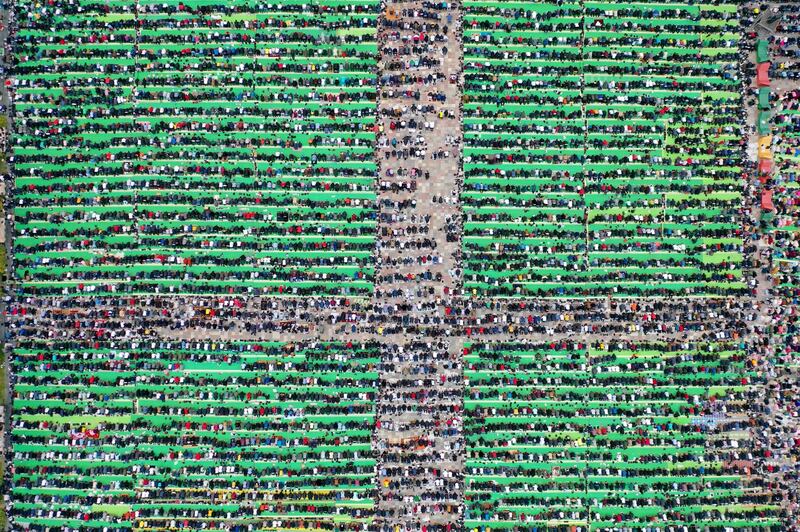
766	200
762	75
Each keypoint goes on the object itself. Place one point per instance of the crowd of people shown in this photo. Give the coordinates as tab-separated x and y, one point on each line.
386	187
194	435
419	440
779	409
180	147
189	148
615	434
601	150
